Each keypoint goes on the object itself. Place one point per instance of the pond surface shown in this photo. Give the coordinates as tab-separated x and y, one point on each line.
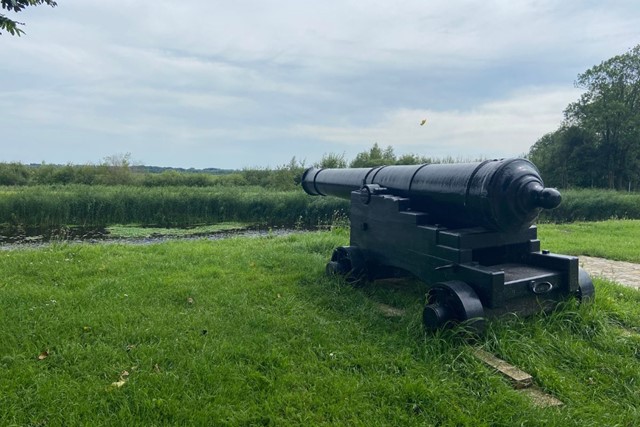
96	237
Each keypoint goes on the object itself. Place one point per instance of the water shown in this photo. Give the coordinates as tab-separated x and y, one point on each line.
21	242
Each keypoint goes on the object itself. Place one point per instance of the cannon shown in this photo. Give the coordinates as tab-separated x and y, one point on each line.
465	229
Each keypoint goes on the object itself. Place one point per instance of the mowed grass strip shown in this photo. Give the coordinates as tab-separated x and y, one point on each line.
251	332
612	239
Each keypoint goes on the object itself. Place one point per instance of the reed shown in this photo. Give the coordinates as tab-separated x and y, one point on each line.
45	207
38	208
594	205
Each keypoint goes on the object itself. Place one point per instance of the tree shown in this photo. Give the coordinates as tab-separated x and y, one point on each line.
568	157
411	159
116	169
332	160
610	109
14	174
10	25
374	157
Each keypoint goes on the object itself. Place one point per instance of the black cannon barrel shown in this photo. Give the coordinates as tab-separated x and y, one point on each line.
505	194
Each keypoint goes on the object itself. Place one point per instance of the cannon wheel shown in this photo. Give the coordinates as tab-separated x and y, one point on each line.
347	261
453	302
586	291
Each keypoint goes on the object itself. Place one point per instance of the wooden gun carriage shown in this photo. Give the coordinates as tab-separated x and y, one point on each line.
464	229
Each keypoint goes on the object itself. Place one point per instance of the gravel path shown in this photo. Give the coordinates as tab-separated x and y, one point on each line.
625	273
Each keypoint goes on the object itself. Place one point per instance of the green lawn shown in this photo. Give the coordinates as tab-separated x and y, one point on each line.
613	239
249	331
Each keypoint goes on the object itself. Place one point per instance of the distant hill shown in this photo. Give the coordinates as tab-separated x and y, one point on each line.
160	169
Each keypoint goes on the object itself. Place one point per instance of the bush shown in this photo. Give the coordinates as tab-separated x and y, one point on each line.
594	205
14	174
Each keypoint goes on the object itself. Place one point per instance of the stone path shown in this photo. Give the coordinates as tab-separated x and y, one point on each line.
625	273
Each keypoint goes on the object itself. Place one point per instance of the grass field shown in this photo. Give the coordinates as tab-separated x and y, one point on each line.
250	332
612	239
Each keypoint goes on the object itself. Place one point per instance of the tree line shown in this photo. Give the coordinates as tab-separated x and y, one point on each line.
119	169
378	156
598	143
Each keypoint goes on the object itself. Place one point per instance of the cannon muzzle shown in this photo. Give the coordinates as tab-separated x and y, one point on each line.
504	195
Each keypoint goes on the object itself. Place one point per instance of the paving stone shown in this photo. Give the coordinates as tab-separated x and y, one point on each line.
518	377
625	273
540	398
390	311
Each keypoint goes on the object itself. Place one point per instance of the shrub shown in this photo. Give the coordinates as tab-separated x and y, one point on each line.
594	205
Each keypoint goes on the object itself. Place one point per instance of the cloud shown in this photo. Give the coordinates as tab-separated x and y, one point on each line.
354	33
499	128
261	81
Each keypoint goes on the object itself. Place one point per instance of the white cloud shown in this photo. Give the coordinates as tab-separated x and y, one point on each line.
500	128
350	32
227	77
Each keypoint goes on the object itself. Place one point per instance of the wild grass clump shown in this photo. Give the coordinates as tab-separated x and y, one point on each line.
587	356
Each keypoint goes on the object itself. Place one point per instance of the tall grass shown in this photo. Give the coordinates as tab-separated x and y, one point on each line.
42	207
594	205
99	206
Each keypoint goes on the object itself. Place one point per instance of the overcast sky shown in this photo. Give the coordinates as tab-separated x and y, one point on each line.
243	83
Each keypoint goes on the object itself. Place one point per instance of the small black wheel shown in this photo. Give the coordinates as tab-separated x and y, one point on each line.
453	302
586	291
347	261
